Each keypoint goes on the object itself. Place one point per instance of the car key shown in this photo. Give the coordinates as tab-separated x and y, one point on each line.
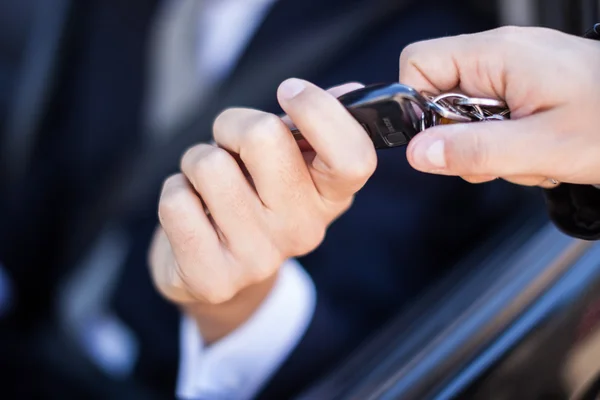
392	114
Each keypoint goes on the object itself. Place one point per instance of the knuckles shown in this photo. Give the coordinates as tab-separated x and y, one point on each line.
466	154
511	31
408	54
174	198
217	282
259	269
478	155
222	121
260	129
219	294
209	280
365	167
264	132
358	169
204	161
411	50
301	236
310	238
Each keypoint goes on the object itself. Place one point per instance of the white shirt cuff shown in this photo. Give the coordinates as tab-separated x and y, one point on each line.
597	186
237	366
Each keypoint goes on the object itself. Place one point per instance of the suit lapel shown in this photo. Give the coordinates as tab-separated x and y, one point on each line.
174	88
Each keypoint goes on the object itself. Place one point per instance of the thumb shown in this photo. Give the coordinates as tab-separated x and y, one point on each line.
495	148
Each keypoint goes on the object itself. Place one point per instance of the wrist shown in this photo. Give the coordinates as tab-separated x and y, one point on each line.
237	365
216	321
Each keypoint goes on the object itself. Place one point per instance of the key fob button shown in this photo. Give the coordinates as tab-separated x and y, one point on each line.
393	124
396	139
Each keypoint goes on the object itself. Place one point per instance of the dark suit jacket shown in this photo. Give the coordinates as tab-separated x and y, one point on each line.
403	232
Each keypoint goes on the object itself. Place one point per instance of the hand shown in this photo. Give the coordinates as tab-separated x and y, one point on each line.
550	81
243	206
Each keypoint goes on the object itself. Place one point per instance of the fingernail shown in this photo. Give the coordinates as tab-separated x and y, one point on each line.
431	155
291	88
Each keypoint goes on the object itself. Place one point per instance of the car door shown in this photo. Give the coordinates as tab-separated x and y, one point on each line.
520	319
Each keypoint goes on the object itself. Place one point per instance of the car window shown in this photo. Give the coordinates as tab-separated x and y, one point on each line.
452	340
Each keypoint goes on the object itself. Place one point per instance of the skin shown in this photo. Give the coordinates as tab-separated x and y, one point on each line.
551	83
255	197
267	200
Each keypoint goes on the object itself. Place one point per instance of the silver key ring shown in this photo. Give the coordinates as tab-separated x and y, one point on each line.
479	113
443	112
460	107
452	112
477	101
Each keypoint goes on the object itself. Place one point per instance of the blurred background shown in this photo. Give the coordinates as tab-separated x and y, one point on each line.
98	100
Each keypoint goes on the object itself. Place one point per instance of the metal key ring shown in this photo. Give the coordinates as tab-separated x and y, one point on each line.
442	112
461	98
496	117
477	101
448	113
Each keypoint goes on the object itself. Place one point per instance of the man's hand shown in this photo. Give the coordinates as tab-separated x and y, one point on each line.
243	206
550	81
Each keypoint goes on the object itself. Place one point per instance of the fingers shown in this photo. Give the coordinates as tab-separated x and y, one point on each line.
228	196
470	62
189	262
274	212
517	180
340	90
335	91
548	137
530	180
188	228
494	148
478	179
165	272
345	156
270	154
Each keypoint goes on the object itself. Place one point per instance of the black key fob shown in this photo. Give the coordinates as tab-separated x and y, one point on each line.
392	114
